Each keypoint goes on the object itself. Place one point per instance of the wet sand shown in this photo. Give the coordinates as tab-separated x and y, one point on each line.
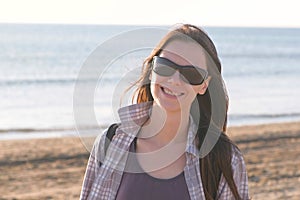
54	168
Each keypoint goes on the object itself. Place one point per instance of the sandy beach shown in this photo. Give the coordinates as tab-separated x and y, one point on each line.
54	168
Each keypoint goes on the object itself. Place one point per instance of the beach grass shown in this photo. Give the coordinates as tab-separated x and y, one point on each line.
54	168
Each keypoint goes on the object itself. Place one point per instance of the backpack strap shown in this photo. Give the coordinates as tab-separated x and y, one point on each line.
111	131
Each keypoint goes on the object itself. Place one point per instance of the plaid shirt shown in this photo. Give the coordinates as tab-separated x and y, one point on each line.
102	181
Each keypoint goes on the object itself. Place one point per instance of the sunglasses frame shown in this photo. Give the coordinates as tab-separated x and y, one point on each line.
183	70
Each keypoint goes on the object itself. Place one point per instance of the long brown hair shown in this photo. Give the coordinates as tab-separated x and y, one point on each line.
218	160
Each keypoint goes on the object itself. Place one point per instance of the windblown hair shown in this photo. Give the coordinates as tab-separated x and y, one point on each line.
209	111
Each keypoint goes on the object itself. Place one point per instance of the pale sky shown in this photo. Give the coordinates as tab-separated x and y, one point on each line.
261	13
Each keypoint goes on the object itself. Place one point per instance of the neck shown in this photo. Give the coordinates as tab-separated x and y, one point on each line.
162	127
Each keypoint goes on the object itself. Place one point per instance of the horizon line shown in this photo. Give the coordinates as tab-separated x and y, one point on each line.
148	24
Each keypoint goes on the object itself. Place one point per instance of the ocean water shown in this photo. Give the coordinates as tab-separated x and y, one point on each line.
39	65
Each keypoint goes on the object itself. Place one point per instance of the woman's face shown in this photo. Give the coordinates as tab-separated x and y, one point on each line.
171	92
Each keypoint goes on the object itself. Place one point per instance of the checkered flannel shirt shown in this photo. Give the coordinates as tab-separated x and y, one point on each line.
104	170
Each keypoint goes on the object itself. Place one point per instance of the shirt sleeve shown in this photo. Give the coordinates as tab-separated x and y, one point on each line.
240	178
93	166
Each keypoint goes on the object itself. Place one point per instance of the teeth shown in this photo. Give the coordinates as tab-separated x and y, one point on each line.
170	92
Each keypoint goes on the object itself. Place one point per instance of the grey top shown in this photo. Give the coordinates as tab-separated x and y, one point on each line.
137	186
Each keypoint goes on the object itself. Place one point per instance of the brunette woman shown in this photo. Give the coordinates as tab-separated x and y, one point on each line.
172	143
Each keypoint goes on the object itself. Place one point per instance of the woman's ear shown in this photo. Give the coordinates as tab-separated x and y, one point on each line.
204	86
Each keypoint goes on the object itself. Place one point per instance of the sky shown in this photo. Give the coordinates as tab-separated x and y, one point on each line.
251	13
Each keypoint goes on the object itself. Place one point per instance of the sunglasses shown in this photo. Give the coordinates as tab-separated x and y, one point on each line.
188	73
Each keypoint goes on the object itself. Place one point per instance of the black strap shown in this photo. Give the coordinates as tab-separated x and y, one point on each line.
110	134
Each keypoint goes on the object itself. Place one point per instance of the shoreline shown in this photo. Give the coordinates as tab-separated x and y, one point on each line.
28	134
53	168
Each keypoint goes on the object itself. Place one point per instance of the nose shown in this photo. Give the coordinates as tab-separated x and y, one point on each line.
175	78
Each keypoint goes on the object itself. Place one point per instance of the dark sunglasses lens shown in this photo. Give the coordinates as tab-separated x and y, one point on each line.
163	70
193	76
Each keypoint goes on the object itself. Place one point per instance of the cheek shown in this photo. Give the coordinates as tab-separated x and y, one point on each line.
154	80
196	89
192	91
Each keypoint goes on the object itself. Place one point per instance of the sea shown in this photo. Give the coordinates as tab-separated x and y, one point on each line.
41	65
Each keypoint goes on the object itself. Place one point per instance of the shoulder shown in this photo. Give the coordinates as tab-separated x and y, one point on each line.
111	138
98	146
101	144
237	158
107	135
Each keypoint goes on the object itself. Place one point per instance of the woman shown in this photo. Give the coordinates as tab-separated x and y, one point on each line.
172	143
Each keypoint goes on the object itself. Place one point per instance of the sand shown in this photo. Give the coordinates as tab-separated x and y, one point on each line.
54	168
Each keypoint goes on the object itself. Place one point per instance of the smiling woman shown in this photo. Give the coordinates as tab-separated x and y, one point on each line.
173	138
173	86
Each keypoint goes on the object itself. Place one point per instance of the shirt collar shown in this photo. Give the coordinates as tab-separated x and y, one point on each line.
136	113
134	116
191	140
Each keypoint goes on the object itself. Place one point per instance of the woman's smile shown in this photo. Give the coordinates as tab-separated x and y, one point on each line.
171	93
